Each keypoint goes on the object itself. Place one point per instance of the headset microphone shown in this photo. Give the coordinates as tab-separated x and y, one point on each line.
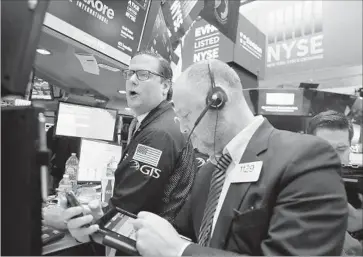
199	119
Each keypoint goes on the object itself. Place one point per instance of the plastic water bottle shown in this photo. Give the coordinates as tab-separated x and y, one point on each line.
108	180
111	167
65	186
71	169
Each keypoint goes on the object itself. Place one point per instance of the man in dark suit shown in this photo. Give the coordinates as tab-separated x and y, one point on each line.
271	192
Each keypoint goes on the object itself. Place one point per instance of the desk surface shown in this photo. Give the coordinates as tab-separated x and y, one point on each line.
66	242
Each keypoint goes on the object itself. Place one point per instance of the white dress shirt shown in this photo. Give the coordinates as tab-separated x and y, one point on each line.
236	148
141	117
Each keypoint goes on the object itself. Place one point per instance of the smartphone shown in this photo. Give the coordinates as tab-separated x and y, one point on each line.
118	232
72	201
119	221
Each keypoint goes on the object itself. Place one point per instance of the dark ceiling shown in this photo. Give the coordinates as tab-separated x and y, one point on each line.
63	69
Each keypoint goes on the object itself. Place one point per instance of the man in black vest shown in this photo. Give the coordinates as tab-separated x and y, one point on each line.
157	168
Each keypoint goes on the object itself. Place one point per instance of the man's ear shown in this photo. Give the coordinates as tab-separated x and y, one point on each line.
166	84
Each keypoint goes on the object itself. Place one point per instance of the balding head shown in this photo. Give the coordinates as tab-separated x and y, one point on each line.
197	76
190	93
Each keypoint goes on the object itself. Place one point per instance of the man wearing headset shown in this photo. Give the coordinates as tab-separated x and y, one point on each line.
157	169
265	191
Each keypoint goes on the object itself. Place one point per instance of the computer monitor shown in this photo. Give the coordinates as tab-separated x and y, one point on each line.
94	157
281	102
76	120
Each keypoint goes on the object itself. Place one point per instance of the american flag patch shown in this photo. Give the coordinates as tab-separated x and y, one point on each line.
147	154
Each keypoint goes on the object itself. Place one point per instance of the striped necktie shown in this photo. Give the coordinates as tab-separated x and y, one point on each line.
216	185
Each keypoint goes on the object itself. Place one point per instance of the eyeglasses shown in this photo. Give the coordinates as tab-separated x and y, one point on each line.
141	75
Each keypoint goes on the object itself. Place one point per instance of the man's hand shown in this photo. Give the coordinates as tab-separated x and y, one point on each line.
155	236
91	213
53	217
355	219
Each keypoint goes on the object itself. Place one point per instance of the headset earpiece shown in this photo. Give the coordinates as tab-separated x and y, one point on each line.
216	98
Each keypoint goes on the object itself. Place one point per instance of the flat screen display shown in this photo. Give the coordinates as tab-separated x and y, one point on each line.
112	27
84	121
280	102
94	157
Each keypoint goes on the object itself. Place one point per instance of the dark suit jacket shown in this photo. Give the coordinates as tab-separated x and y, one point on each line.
297	207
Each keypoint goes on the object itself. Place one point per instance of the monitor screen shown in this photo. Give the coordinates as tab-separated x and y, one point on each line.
85	121
114	28
94	157
281	102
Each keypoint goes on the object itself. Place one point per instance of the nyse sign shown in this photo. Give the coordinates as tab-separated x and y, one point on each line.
295	51
206	44
295	33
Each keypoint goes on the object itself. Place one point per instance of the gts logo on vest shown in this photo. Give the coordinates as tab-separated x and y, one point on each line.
150	171
101	7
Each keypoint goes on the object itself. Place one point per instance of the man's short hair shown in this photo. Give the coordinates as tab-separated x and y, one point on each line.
330	120
164	68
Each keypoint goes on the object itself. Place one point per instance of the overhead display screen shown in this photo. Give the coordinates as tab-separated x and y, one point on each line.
111	27
84	121
281	102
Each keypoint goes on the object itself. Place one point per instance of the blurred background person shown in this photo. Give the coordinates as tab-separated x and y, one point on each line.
337	130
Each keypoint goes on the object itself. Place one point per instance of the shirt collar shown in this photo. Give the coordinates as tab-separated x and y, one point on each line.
236	147
141	117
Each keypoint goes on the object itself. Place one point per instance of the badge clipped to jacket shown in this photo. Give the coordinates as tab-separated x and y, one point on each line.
247	172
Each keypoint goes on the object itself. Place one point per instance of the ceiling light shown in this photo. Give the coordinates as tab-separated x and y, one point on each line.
127	109
43	51
122	91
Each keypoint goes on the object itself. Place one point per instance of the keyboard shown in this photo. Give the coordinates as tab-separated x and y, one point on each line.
50	235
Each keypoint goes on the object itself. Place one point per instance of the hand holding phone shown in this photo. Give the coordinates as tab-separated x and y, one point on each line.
79	220
72	201
117	231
